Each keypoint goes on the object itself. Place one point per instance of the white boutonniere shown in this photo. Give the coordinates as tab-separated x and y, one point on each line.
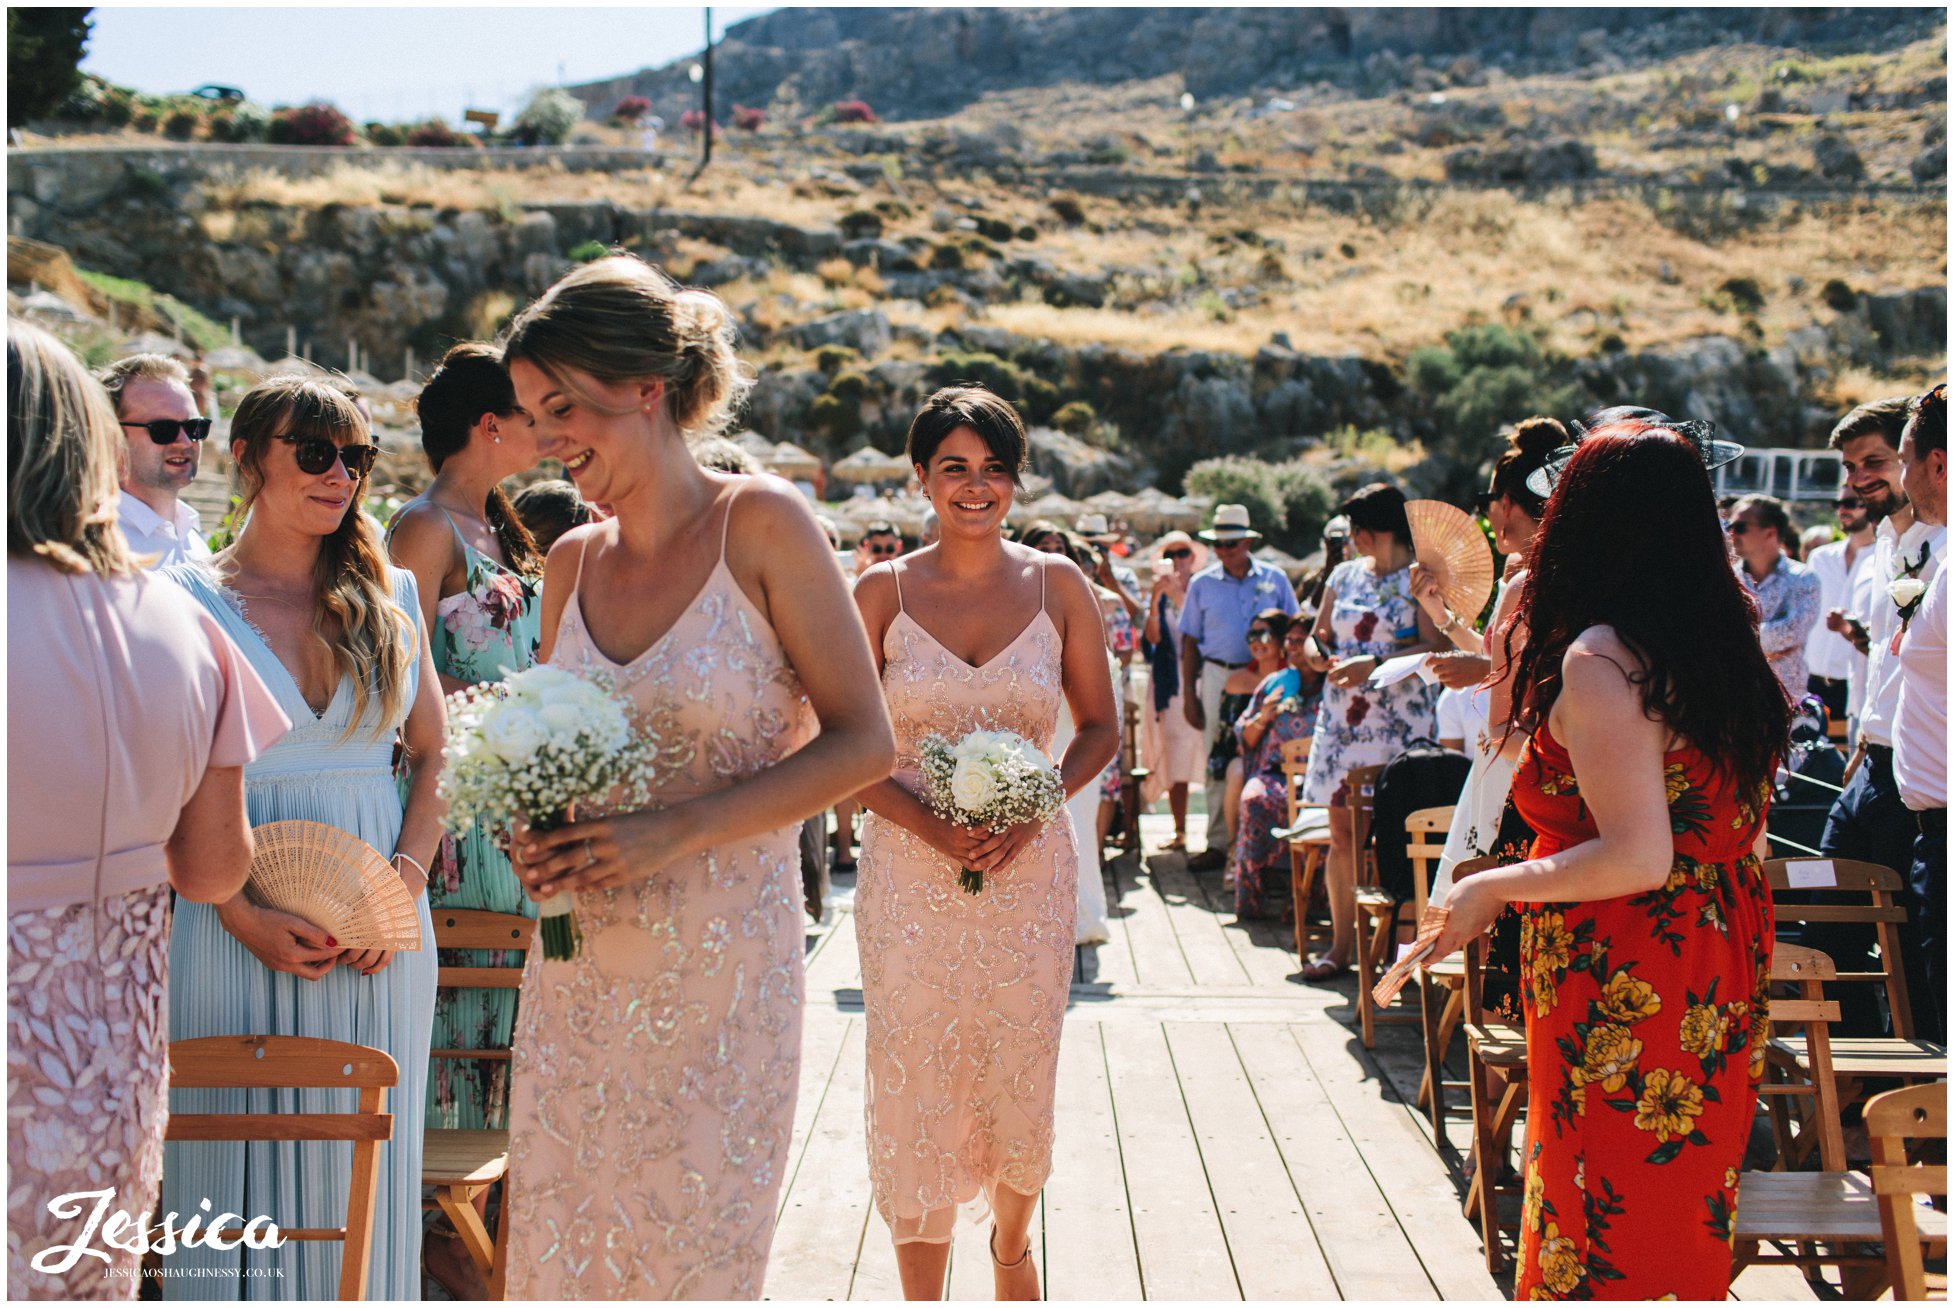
1906	592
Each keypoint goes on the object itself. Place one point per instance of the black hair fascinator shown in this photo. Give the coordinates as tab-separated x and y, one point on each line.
1699	432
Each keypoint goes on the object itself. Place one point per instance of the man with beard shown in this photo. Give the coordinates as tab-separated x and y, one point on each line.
1830	657
1870	821
1920	723
163	435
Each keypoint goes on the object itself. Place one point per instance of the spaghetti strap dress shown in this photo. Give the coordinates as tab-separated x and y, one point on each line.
218	987
655	1074
964	994
1647	1021
488	629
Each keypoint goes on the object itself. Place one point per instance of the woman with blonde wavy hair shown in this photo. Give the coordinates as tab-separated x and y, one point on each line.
130	719
654	1075
307	593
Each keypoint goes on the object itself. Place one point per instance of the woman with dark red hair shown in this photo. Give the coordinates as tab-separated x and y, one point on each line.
1654	727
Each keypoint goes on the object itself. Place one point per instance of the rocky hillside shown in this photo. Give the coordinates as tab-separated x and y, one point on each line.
925	63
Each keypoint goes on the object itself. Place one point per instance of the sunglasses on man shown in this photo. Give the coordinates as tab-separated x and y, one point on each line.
316	454
884	551
162	431
1849	502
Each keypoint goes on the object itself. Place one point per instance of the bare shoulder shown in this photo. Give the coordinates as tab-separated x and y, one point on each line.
1066	583
766	502
420	528
875	589
1599	661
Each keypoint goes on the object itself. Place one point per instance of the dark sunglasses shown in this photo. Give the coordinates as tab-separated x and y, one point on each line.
885	551
1739	528
316	454
1258	634
163	430
1178	552
1482	503
1853	502
1240	543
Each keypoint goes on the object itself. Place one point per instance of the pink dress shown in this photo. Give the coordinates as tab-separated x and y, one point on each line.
964	994
652	1101
121	691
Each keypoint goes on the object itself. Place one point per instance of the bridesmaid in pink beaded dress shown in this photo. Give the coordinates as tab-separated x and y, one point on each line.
654	1076
965	994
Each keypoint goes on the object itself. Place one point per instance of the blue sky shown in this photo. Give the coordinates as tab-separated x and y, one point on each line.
392	64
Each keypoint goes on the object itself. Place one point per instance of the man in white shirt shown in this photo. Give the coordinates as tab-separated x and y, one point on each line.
1870	821
1920	722
164	435
1829	657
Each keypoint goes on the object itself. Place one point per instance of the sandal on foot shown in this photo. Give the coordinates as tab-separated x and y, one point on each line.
1322	969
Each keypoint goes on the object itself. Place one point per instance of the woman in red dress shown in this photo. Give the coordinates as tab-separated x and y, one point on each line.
1655	725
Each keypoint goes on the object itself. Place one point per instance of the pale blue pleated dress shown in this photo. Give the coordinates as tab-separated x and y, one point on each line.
217	987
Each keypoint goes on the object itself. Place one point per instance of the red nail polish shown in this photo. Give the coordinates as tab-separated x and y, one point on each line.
333	943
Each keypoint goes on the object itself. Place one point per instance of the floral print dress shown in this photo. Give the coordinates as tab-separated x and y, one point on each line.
483	632
1364	725
1259	856
1647	1021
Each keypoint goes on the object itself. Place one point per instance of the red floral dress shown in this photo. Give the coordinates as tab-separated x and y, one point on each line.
1646	1029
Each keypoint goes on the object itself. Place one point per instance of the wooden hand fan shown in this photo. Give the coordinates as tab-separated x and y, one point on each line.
1451	547
335	881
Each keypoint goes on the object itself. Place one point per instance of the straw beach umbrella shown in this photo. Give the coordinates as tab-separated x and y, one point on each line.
870	466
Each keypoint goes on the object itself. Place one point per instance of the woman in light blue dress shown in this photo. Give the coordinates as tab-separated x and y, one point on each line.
307	594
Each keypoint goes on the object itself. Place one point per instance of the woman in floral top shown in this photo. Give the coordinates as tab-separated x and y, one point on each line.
1654	725
1368	615
1283	709
480	586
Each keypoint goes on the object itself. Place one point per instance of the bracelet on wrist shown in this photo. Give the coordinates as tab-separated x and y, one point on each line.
415	861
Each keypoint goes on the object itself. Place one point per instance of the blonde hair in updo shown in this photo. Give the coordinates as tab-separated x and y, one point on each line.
621	321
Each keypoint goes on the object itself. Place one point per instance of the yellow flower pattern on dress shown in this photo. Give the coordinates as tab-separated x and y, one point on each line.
1645	1057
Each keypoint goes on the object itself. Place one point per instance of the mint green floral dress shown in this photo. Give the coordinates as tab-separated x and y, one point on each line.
485	631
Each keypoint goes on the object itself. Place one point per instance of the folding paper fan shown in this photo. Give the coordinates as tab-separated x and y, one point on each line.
1451	547
335	881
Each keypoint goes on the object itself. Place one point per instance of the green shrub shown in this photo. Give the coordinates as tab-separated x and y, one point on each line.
838	418
548	118
385	135
1288	502
1076	418
249	122
849	387
1036	398
587	251
1485	376
181	124
830	358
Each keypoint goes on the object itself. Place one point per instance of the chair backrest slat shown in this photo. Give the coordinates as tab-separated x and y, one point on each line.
1892	1119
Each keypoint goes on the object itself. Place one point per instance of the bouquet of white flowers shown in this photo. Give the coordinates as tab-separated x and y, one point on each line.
990	779
533	746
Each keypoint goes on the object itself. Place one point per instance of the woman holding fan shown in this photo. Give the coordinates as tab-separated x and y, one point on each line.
965	993
307	594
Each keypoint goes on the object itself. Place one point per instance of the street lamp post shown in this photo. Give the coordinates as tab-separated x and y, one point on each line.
702	74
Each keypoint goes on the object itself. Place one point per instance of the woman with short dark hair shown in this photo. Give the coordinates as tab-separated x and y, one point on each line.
1368	615
1654	726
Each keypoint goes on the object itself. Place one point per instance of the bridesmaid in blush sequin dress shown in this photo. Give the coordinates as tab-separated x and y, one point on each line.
655	1073
965	994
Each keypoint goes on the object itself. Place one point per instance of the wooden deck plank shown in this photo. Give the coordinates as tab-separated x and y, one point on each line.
1088	1223
1274	1250
1368	1254
820	1230
1210	956
1111	964
1262	948
1182	1252
822	1037
837	963
1157	957
1414	1180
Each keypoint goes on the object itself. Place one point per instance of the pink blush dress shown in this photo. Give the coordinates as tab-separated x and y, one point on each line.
652	1101
964	994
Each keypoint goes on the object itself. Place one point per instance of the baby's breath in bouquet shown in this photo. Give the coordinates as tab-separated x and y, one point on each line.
534	746
992	779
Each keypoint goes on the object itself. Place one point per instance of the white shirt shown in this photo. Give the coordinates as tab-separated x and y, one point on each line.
1827	653
148	532
1462	714
1882	667
1920	741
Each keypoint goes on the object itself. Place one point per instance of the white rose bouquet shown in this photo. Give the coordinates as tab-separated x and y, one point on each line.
534	745
989	779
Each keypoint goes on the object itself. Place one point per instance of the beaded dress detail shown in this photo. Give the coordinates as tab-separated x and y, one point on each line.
655	1075
964	994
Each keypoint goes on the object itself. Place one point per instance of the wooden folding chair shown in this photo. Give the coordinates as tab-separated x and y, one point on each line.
1496	1077
1441	987
1133	778
1377	912
1892	1119
298	1063
1308	852
1812	1219
461	1165
1855	1059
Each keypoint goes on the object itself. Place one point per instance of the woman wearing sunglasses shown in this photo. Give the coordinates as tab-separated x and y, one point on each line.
306	592
1170	744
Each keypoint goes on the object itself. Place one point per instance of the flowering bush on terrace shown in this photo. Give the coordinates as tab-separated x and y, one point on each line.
748	119
317	123
631	108
854	111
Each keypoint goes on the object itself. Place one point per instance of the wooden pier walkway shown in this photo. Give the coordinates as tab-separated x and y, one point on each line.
1222	1132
